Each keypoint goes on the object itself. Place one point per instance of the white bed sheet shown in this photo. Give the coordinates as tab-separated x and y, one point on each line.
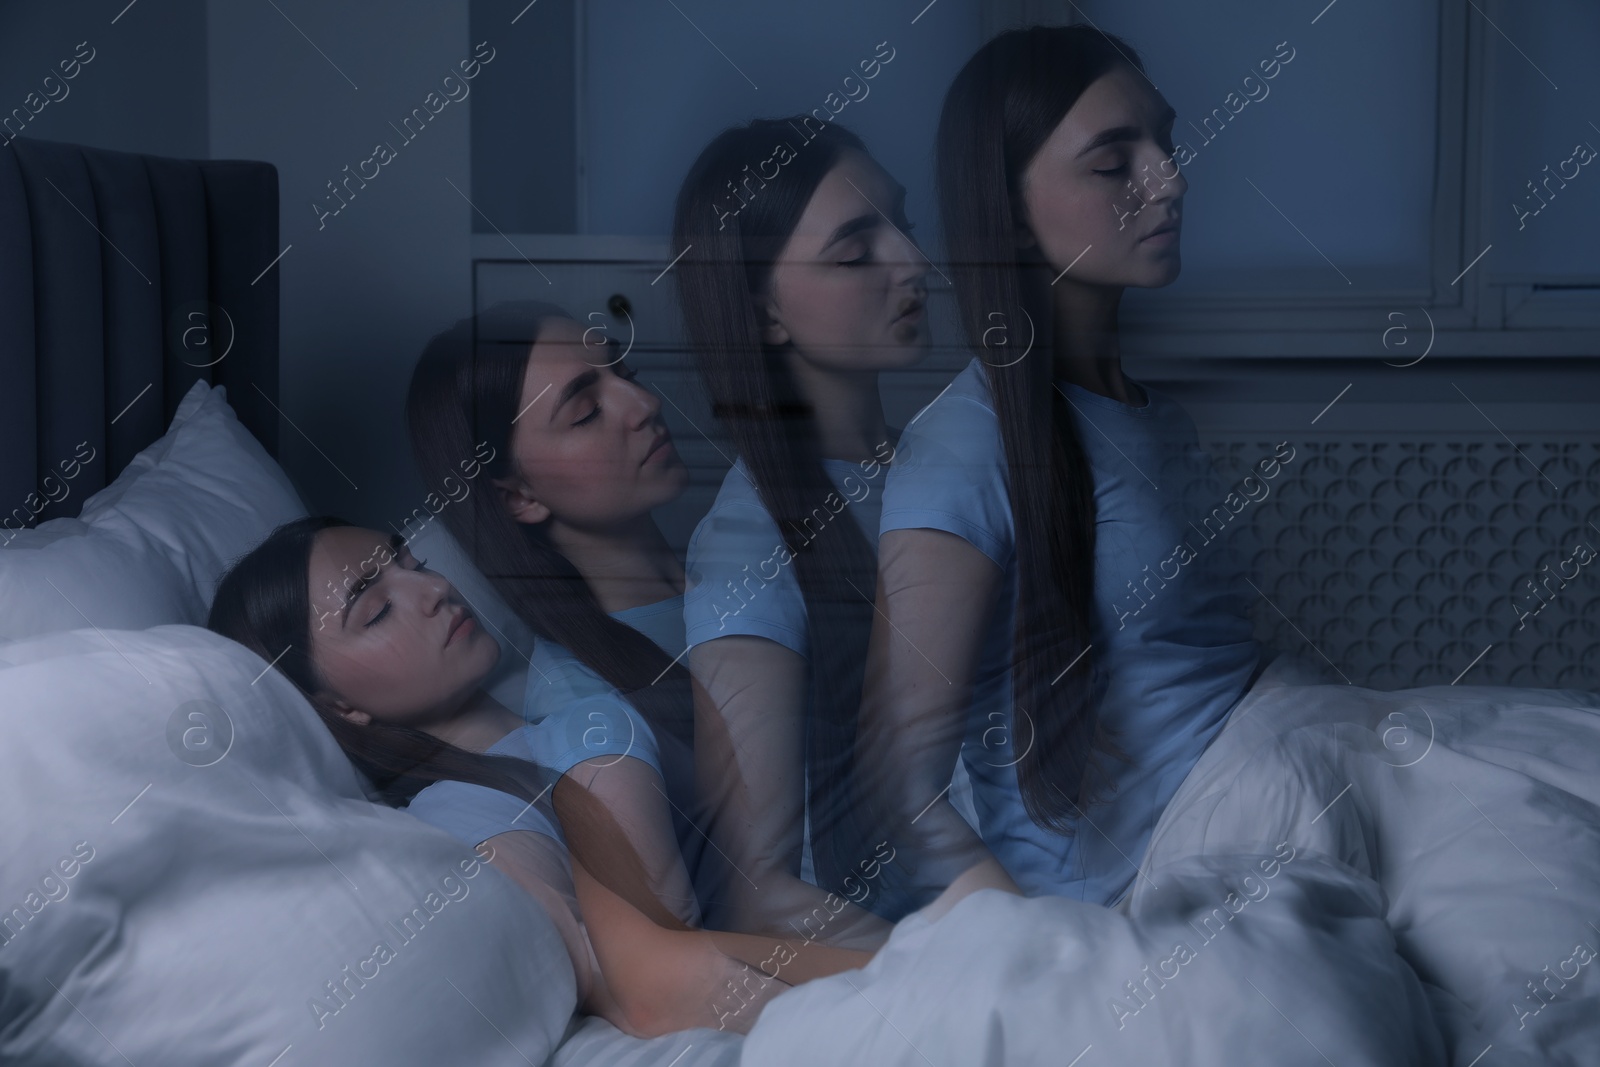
590	1041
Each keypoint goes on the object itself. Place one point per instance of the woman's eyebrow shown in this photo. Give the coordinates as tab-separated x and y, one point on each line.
850	229
572	389
866	222
1124	133
363	582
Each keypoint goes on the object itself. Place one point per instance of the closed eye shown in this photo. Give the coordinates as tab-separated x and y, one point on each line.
866	257
622	371
387	604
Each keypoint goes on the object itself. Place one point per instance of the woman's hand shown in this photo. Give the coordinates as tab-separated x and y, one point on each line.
985	875
738	990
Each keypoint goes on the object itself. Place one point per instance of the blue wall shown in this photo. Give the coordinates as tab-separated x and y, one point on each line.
737	61
143	90
364	288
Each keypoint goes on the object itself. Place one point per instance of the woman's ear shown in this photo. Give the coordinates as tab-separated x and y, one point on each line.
342	708
519	504
773	332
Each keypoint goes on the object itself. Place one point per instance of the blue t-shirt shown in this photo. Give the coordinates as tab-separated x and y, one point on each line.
572	715
741	578
1172	643
578	715
474	813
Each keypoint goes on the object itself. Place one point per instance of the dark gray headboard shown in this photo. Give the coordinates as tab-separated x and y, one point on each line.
123	280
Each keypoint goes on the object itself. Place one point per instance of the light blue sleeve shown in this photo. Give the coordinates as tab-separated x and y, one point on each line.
741	581
475	813
949	473
602	724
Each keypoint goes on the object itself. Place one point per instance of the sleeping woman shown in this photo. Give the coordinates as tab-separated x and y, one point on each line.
794	306
562	527
580	458
1035	616
392	660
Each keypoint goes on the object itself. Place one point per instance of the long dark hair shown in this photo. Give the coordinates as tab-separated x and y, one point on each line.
465	394
729	259
264	603
465	391
1000	109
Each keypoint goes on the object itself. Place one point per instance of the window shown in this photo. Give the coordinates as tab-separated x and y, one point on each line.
1409	156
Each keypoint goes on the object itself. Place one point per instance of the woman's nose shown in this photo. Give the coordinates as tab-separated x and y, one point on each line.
434	591
907	257
649	404
913	269
1162	180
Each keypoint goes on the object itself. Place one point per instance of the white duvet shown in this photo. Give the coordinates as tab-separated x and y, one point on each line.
1347	877
190	876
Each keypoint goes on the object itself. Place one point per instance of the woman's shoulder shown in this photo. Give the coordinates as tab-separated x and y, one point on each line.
957	430
949	470
474	813
572	714
736	523
966	397
560	685
605	725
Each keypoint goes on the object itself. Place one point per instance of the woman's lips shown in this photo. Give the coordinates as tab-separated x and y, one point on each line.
462	628
659	448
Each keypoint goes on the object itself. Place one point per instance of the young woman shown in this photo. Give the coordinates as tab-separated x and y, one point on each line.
577	456
392	660
1049	611
797	293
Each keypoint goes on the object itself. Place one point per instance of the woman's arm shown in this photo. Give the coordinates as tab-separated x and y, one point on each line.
669	980
936	593
538	863
749	763
632	793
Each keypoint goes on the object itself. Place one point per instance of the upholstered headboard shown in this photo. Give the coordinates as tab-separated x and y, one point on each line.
123	280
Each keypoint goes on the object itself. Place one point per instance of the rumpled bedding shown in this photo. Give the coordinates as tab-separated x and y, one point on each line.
1347	876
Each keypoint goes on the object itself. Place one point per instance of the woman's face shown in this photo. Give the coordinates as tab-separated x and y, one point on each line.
848	289
589	444
385	637
1102	203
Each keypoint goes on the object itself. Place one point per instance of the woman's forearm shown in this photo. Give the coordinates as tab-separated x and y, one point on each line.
658	981
790	959
782	904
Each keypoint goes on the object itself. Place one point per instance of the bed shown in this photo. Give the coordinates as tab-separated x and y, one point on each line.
194	874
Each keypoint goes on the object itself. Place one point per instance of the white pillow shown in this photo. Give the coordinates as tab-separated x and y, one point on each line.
149	548
190	869
433	542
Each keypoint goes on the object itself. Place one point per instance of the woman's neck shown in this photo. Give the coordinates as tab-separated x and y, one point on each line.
1088	345
849	410
477	724
626	566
